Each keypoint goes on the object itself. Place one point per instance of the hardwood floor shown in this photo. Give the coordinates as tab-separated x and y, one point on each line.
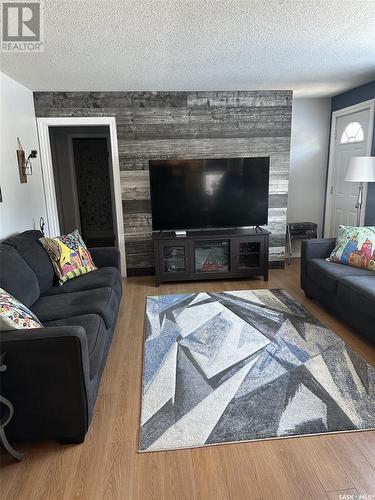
107	465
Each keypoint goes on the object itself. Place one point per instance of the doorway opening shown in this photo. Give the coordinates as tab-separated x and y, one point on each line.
82	180
84	194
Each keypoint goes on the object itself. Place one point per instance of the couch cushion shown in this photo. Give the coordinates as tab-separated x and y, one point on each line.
96	332
69	255
28	246
358	294
102	301
327	274
16	277
14	315
354	247
106	276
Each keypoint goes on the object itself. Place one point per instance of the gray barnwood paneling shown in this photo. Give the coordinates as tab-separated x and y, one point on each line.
203	148
162	125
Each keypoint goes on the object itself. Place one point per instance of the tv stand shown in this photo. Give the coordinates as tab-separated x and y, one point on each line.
211	254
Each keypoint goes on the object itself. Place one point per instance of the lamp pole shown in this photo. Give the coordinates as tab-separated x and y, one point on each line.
358	205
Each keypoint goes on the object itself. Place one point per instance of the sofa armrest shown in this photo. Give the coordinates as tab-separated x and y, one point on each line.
105	256
317	248
314	249
47	380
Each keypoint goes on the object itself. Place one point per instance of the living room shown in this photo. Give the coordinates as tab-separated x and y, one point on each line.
187	249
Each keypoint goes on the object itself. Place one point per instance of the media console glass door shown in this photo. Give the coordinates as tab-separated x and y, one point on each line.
174	257
248	254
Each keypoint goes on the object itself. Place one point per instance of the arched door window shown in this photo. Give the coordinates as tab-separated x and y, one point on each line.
353	133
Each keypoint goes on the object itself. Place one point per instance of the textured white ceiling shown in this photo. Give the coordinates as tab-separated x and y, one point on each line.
315	47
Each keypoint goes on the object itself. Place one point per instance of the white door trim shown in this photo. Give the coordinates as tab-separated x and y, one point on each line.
43	125
362	106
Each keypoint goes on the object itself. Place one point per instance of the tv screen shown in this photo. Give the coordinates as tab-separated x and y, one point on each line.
197	194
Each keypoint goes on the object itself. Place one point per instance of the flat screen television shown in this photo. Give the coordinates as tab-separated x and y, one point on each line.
201	194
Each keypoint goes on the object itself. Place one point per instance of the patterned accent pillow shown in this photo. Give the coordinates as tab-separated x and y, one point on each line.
355	246
14	315
69	255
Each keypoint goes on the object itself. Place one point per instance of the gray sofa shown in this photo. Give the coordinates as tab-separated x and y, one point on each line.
54	372
346	291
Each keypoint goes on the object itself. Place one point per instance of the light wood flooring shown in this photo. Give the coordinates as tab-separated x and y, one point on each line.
107	465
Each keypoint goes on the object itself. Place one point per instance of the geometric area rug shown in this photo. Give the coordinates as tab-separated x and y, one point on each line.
246	365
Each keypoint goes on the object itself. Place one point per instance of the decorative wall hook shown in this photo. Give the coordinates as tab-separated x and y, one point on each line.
24	164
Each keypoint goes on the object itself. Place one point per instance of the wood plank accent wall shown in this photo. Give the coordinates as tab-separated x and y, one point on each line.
166	125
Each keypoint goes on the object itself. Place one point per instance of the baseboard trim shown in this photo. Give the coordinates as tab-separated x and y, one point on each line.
140	271
280	264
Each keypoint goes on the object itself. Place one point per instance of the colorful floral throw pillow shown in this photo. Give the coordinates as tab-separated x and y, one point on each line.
69	255
355	246
14	315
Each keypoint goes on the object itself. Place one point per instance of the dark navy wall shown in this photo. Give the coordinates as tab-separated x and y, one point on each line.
354	96
349	98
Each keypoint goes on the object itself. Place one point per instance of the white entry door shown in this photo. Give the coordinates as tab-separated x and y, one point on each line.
352	136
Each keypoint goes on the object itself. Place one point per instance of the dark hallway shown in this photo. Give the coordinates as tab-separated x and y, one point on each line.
81	163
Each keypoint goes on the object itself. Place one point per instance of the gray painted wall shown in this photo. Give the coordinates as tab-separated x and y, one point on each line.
22	205
308	160
161	125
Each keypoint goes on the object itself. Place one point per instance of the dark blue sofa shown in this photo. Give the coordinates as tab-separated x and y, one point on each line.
54	373
347	291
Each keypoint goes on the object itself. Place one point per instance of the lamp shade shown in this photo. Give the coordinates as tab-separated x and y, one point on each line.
361	169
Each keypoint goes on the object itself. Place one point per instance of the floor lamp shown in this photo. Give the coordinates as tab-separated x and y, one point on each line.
361	169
